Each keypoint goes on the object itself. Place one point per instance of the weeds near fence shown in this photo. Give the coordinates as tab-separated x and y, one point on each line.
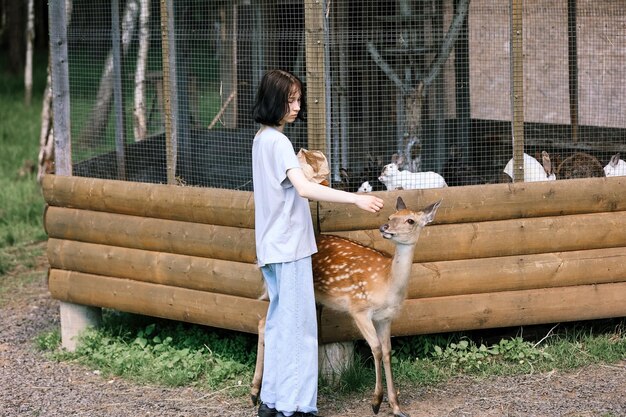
149	350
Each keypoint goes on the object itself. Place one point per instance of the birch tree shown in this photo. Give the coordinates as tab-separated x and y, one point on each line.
28	68
140	124
96	125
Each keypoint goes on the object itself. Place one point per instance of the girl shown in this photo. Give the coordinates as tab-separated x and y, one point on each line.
285	241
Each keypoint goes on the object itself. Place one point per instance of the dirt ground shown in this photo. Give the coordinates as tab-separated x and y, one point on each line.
31	385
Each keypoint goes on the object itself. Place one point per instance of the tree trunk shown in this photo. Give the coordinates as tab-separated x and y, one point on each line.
96	125
28	68
46	138
140	126
16	18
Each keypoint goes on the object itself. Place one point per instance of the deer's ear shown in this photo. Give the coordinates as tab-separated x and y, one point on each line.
430	211
400	204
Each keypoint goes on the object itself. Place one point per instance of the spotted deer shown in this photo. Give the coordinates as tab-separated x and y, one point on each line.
367	284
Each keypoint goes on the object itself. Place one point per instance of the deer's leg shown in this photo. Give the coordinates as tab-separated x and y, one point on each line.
255	387
383	330
367	329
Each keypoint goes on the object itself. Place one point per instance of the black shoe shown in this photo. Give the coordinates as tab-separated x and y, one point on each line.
265	411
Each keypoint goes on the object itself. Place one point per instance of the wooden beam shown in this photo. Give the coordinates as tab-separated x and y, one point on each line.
508	237
235	208
58	18
191	272
193	204
315	69
437	243
218	310
480	203
170	87
215	206
514	273
572	66
491	310
516	56
185	238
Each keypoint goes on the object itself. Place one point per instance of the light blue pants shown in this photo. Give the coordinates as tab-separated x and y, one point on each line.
290	368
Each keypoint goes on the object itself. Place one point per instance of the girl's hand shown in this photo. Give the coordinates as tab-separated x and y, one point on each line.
369	203
317	192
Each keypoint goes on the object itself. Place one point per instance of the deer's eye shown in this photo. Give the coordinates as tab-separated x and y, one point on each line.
410	221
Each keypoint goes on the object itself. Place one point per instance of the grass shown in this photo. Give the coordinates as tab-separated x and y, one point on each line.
149	350
21	202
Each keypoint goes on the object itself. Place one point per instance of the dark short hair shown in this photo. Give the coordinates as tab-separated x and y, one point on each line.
272	97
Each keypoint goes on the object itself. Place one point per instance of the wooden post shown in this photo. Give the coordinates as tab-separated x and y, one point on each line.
117	90
60	87
315	64
572	67
334	358
517	89
170	88
462	89
74	317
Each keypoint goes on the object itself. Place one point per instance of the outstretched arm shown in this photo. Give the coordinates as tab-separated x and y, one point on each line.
317	192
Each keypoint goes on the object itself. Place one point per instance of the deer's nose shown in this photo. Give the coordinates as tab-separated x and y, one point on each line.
384	227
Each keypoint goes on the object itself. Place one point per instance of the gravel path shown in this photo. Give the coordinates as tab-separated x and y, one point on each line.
31	385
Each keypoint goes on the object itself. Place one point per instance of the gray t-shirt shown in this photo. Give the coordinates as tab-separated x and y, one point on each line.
283	224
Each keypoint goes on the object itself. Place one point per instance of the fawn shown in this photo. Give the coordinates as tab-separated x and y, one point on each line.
367	284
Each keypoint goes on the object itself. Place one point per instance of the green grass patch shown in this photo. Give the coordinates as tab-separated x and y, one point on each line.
21	201
148	350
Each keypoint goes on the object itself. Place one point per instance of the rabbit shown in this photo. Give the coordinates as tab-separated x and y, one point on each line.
616	167
394	179
366	187
533	170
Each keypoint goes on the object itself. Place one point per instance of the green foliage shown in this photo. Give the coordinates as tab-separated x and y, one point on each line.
16	268
164	352
48	341
21	202
471	357
420	346
585	343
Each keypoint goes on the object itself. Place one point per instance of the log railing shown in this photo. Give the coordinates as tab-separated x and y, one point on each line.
497	255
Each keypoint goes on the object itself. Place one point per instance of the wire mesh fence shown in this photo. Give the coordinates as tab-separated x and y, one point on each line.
401	94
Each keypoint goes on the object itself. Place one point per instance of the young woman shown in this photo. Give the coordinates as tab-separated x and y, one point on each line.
285	241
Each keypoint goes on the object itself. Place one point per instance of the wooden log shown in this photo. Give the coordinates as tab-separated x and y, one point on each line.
488	202
510	273
210	309
192	204
194	239
191	272
437	243
509	237
315	75
236	208
491	310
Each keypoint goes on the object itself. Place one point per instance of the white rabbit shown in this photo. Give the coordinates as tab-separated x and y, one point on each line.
394	179
616	167
366	187
533	170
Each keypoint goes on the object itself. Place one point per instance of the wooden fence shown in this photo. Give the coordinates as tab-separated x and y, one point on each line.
497	255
